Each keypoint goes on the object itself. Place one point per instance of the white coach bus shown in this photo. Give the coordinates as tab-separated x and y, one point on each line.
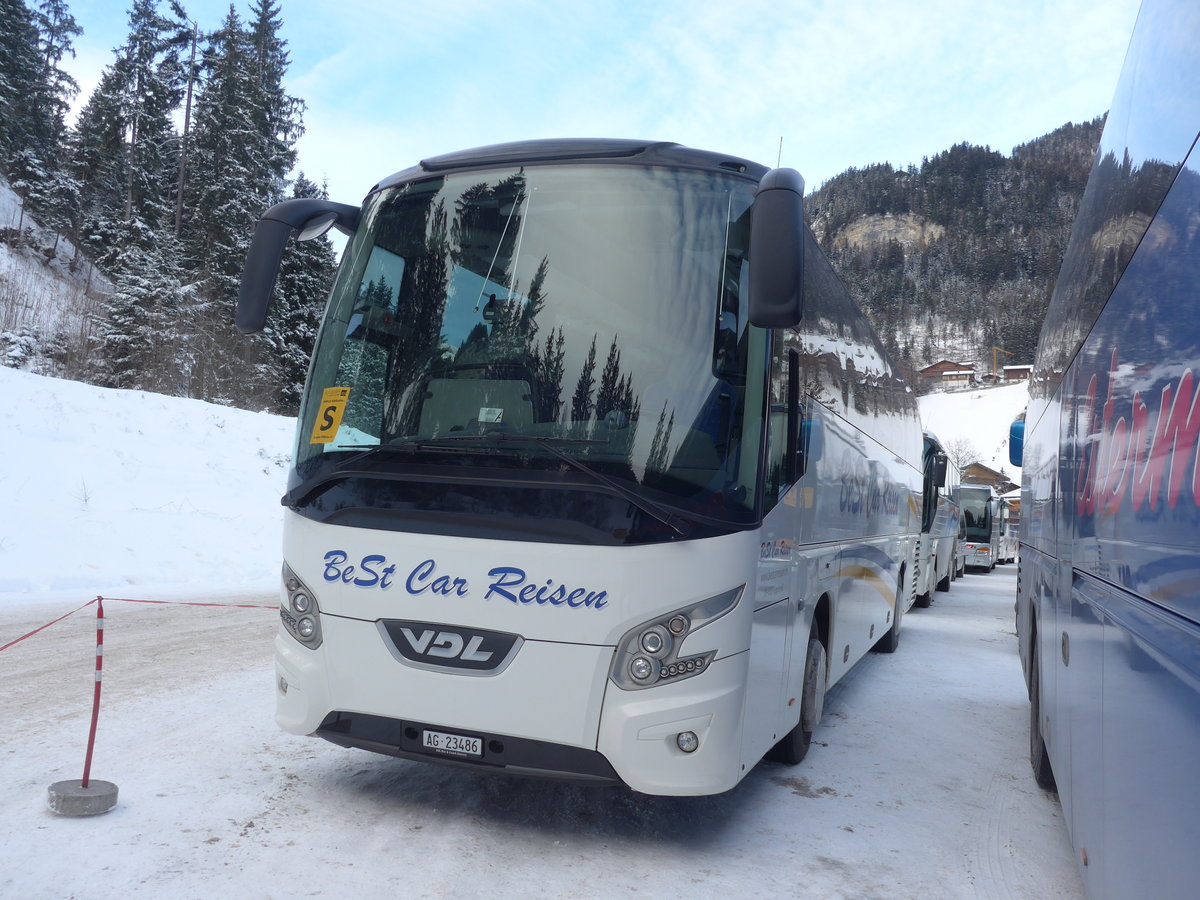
937	550
600	473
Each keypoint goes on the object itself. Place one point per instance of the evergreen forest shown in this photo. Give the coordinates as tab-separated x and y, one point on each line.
188	137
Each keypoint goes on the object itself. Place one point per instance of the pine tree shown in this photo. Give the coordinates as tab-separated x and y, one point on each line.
581	400
243	149
278	117
27	99
610	392
124	145
151	92
35	94
97	160
305	277
138	341
548	374
56	27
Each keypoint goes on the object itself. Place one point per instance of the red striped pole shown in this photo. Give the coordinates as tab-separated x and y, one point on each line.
87	762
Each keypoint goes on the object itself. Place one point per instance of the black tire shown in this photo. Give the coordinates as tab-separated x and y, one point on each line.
924	600
794	745
1039	758
944	584
891	640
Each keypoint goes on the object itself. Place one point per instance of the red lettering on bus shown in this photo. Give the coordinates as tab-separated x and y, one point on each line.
1117	459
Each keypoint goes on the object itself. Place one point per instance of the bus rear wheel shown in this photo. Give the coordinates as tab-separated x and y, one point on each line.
1039	757
794	745
891	639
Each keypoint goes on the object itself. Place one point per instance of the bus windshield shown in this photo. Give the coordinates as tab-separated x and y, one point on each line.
977	516
587	310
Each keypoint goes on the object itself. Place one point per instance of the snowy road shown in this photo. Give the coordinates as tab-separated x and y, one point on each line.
919	785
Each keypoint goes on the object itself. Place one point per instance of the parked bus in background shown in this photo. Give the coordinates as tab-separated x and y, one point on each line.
1010	529
936	550
600	473
981	512
1108	602
960	547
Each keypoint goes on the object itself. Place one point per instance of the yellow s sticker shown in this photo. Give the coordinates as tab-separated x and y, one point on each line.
329	416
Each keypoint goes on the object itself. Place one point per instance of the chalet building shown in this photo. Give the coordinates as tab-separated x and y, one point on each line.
1017	373
946	373
978	473
960	378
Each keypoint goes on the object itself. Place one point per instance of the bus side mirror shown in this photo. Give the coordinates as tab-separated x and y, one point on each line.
777	250
311	217
939	470
1016	442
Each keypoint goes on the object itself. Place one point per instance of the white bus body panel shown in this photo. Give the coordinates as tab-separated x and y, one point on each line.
560	674
746	700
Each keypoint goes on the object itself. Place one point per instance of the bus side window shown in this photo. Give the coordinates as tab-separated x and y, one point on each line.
795	432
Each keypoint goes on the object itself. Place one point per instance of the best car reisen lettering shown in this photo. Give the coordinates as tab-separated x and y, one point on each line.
509	582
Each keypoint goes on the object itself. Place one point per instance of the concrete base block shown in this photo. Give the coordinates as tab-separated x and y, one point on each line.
71	798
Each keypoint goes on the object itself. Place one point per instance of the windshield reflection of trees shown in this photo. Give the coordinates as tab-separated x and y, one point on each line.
843	363
1123	213
507	373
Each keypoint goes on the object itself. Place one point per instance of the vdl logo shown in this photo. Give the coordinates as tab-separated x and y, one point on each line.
469	651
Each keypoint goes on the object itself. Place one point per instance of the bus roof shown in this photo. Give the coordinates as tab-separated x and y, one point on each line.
609	150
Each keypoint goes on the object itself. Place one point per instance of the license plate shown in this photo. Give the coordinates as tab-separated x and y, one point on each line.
454	744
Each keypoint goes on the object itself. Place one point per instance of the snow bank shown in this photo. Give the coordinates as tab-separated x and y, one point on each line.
125	491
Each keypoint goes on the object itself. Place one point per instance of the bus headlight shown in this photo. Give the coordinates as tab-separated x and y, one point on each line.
641	669
648	655
299	612
654	641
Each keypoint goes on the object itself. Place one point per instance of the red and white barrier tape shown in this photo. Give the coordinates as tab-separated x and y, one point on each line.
129	600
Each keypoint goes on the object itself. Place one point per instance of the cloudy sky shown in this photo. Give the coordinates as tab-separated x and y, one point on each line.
842	82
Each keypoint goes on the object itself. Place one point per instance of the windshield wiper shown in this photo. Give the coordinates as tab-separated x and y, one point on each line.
450	440
646	505
455	441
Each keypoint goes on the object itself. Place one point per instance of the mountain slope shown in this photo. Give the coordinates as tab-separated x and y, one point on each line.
959	255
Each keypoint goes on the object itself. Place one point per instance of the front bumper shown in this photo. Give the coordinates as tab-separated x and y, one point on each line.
979	557
552	712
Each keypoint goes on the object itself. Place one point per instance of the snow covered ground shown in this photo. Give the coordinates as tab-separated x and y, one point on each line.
919	785
110	491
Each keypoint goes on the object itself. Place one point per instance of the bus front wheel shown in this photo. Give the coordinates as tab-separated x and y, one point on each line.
794	746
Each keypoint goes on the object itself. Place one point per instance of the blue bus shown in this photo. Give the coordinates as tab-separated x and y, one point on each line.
1108	603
